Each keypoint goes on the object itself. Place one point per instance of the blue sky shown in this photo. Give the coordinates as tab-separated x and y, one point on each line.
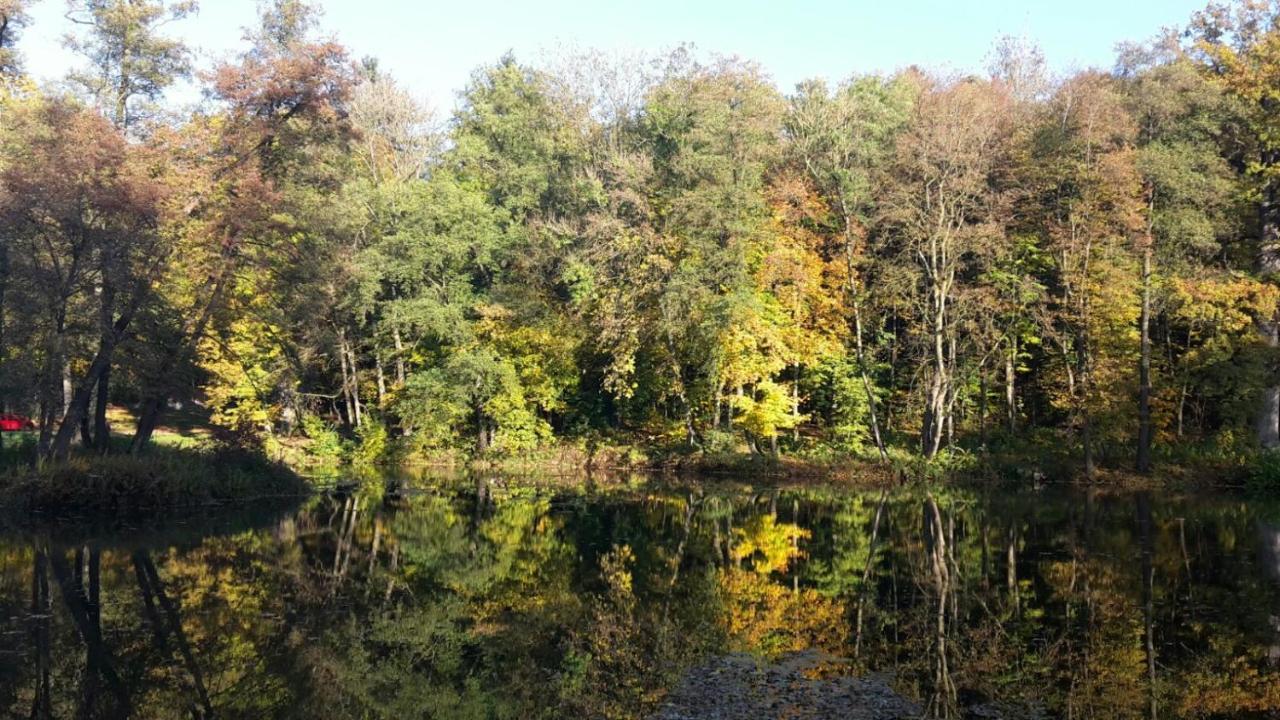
433	45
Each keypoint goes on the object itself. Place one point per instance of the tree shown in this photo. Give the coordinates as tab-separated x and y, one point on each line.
841	140
1091	208
13	18
1238	46
285	97
944	212
72	190
131	62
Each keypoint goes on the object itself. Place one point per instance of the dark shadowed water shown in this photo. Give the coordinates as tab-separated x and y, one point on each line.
492	599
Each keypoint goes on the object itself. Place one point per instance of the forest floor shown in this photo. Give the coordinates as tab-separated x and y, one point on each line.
185	427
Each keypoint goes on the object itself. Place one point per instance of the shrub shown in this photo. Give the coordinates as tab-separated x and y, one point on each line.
1263	473
371	443
325	441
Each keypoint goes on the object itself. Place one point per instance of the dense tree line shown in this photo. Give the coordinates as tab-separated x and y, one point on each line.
665	249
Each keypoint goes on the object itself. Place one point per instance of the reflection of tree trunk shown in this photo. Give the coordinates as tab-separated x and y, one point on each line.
345	537
1148	592
377	542
395	565
943	700
1011	571
1010	391
41	612
98	658
153	592
866	573
1269	537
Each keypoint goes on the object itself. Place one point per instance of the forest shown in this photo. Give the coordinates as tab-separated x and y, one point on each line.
666	252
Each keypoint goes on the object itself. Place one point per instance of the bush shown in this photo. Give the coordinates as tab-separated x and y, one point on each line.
1263	473
371	443
325	441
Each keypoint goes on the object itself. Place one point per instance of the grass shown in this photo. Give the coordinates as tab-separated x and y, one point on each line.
165	477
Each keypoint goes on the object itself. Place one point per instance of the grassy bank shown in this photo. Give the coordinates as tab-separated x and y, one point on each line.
163	478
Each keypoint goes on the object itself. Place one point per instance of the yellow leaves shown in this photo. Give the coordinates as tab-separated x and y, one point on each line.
770	544
765	617
766	410
1229	304
1231	686
242	365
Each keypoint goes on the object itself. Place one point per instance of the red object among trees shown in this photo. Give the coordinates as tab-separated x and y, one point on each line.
15	423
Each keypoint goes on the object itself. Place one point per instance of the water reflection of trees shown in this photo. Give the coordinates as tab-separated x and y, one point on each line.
495	600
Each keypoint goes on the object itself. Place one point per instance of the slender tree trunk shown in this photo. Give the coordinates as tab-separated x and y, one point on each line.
4	284
872	413
395	334
346	378
208	301
355	384
1267	423
108	338
382	381
1144	369
86	431
79	407
67	391
1011	571
1182	406
52	400
101	428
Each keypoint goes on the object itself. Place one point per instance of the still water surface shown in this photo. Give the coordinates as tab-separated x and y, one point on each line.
485	598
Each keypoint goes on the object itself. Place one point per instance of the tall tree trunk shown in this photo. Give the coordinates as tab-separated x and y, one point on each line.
355	384
207	302
382	381
4	284
866	383
395	334
101	428
346	377
79	407
1267	423
107	340
52	395
1144	369
68	393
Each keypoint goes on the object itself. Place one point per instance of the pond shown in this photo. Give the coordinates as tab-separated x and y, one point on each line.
498	598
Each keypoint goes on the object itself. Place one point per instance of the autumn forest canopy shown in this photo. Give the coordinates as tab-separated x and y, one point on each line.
671	254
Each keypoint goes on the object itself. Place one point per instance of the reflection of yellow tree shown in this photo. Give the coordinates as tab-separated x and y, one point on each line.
770	544
1228	681
764	616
